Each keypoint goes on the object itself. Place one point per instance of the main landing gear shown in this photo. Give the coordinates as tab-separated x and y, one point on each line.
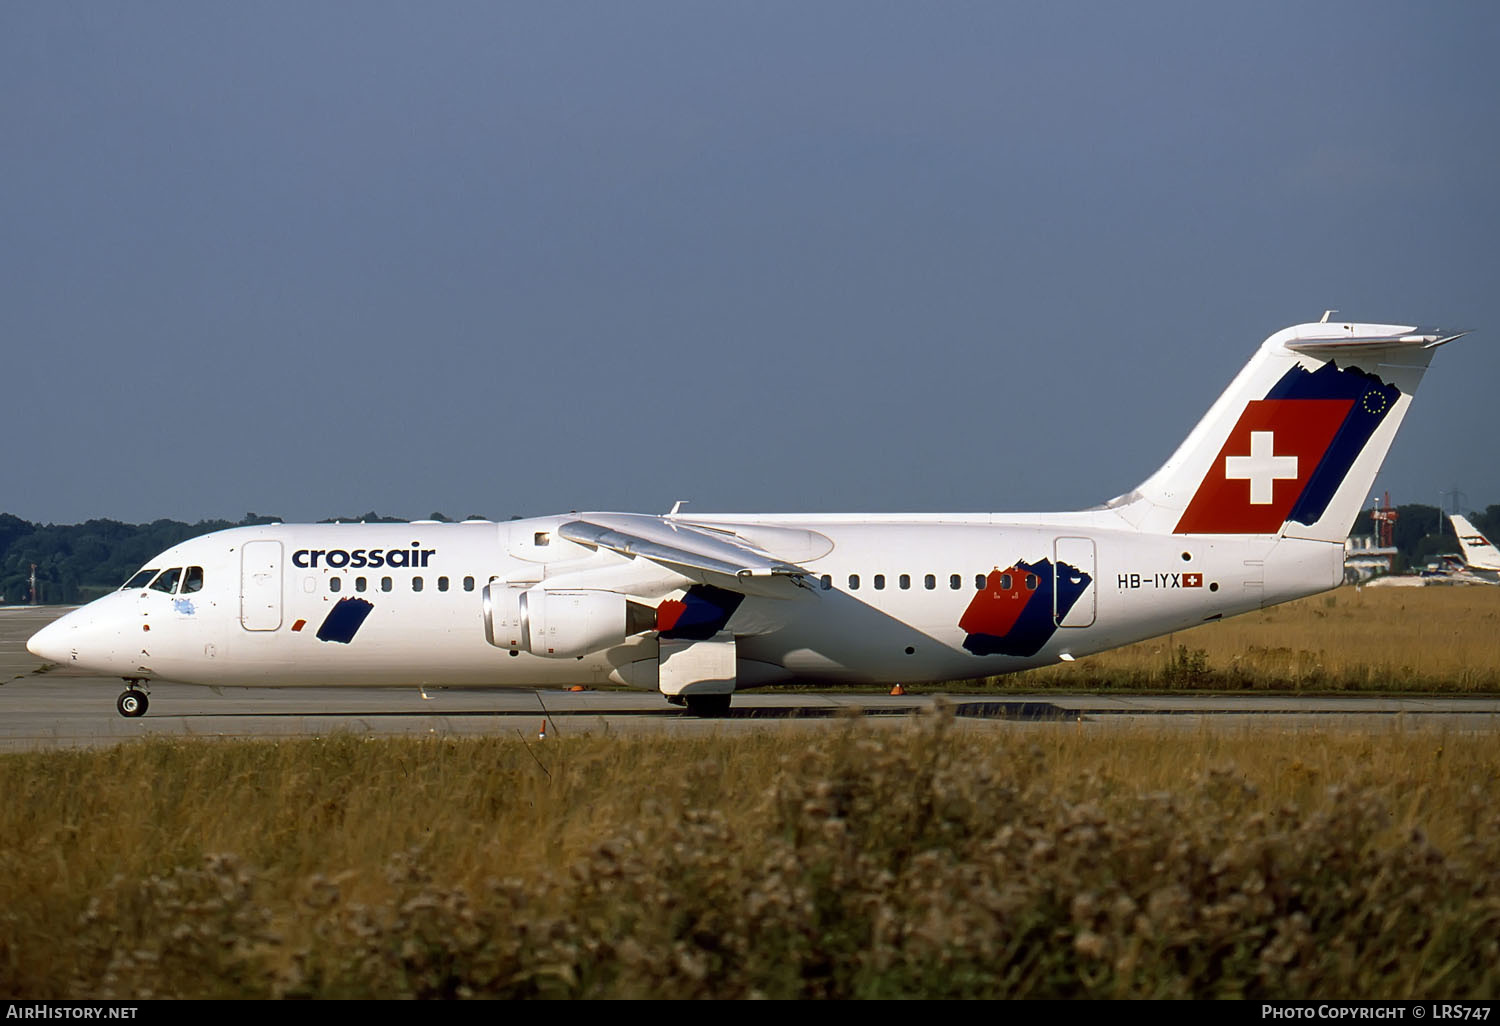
132	701
709	707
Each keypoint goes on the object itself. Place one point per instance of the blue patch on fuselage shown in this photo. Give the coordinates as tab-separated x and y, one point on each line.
1373	399
1038	621
184	606
344	619
707	613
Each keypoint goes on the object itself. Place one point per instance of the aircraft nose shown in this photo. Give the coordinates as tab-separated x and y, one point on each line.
86	641
52	641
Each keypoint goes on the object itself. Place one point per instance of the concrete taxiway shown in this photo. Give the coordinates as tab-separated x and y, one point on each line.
44	710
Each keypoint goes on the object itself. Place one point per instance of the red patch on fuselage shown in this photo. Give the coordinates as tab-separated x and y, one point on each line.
668	613
994	610
299	625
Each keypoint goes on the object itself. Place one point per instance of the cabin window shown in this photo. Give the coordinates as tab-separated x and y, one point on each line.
979	582
193	581
1031	582
827	582
1005	582
167	582
854	582
905	581
955	582
359	584
542	538
335	583
385	584
140	580
468	584
442	584
930	581
880	582
416	584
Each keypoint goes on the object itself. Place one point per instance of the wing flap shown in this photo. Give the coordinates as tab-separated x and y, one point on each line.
708	557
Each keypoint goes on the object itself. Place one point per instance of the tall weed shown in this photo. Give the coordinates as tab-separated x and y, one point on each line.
931	859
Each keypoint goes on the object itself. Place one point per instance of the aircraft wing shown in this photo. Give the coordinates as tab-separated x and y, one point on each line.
699	554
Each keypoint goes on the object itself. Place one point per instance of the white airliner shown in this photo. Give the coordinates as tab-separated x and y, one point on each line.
1481	558
1251	510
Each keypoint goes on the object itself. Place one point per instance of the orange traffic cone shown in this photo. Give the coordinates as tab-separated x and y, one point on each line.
898	690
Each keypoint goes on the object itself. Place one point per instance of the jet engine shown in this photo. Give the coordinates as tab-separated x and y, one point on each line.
561	623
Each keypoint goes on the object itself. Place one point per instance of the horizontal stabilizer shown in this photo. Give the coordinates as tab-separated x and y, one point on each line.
1412	338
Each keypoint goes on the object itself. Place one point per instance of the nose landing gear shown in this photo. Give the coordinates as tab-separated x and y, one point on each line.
132	701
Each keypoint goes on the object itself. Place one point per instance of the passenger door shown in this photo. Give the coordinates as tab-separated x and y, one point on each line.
260	585
1073	590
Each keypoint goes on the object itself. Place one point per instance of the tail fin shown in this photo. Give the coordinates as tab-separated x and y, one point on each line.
1479	552
1292	446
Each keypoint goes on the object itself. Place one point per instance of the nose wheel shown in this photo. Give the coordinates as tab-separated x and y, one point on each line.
132	702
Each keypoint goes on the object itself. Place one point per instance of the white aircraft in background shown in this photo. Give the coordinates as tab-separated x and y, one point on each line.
1252	509
1481	558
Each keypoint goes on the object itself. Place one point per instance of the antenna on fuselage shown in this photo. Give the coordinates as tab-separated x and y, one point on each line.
677	506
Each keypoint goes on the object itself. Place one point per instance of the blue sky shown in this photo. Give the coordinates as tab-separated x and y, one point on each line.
319	258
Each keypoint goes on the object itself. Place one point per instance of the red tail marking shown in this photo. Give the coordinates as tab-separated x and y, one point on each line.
1247	468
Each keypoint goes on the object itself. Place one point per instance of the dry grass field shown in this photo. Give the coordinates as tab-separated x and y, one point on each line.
933	858
929	859
1437	639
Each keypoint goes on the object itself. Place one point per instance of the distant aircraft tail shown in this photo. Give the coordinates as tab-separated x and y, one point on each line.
1479	552
1292	447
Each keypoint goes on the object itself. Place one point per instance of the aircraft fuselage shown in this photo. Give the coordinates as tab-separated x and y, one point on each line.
1252	509
892	599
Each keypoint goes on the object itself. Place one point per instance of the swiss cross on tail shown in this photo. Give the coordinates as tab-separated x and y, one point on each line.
1289	452
1264	466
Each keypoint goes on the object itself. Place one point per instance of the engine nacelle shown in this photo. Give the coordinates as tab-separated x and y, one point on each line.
560	623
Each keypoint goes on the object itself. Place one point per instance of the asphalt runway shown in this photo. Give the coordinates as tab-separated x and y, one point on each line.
40	710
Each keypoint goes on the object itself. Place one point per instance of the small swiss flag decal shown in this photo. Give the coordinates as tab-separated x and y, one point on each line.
1260	473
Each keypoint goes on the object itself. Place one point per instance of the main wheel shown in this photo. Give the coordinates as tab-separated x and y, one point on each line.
132	703
711	707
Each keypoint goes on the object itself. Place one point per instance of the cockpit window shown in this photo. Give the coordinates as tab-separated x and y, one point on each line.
140	579
193	581
167	582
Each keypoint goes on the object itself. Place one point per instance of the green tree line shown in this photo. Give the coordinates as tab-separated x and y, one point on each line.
78	562
1423	532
